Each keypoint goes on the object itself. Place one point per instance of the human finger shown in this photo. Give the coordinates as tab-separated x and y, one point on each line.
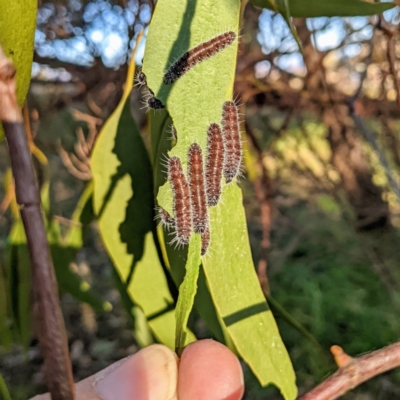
209	371
150	374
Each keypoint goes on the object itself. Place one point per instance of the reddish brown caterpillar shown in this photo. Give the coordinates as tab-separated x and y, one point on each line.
198	54
164	217
181	202
214	163
232	142
205	241
197	189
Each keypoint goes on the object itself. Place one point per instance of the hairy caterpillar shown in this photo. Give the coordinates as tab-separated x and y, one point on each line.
198	54
197	189
214	164
232	142
181	202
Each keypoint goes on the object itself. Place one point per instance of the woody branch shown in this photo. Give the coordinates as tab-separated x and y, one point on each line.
354	371
52	335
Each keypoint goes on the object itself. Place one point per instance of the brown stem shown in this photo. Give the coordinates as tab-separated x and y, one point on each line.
52	335
354	371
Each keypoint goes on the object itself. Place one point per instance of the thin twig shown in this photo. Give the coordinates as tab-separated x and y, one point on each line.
52	334
354	371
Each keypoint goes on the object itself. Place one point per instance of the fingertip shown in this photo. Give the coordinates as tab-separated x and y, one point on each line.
209	370
151	374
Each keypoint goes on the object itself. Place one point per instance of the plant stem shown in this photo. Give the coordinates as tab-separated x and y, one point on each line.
52	334
355	372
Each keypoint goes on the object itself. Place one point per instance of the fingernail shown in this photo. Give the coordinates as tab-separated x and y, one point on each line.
151	374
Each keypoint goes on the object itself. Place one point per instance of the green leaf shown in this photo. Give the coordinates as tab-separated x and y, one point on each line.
239	299
161	143
64	250
19	270
20	282
5	333
318	8
83	212
4	393
68	280
142	332
187	293
82	216
17	31
206	308
124	202
149	290
193	102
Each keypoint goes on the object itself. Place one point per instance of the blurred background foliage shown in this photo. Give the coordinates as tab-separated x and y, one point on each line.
321	188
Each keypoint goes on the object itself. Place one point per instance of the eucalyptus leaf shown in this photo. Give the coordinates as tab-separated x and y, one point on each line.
4	393
20	283
62	255
64	250
193	102
5	332
123	203
82	216
175	259
187	293
328	8
17	32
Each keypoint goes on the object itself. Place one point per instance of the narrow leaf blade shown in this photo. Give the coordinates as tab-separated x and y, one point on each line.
187	293
331	8
193	102
123	203
17	31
